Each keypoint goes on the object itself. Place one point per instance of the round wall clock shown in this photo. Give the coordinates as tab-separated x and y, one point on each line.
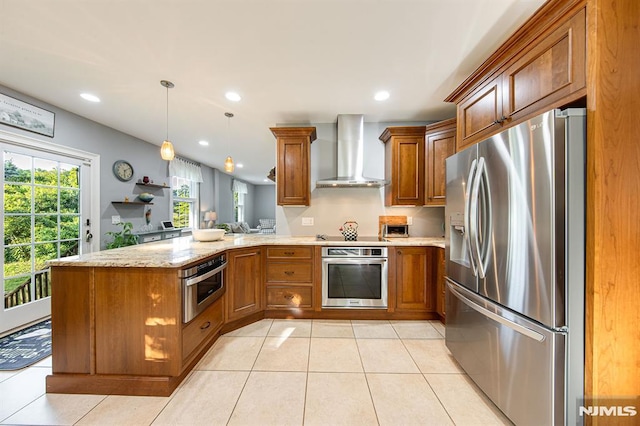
123	170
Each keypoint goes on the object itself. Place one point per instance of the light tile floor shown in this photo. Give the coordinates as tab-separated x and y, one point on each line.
281	372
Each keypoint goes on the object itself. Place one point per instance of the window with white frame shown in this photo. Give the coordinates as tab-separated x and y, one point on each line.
239	192
185	177
185	202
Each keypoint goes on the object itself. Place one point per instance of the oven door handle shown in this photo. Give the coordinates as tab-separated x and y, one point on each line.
200	278
357	259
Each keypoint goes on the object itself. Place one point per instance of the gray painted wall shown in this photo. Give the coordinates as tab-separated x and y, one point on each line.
331	207
265	203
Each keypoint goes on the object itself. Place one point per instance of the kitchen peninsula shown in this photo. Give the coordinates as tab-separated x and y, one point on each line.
117	320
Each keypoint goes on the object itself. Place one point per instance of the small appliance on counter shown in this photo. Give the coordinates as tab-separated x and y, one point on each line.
395	231
393	227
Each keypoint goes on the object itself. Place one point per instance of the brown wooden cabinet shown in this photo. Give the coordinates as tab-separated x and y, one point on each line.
441	285
440	139
120	331
414	276
404	165
201	327
547	72
244	283
289	277
293	168
479	114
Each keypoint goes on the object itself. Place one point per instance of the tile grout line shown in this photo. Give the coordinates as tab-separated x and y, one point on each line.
249	375
306	382
366	379
438	398
425	378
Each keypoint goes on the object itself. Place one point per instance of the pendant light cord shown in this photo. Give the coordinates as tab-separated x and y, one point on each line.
167	112
229	116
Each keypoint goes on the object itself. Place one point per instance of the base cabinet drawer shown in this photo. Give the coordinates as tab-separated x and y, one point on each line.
289	252
202	326
301	272
287	297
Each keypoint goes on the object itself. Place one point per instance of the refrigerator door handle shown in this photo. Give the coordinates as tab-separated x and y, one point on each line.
474	190
467	210
483	230
467	213
497	318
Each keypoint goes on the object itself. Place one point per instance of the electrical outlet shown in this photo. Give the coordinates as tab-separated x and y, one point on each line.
115	220
409	220
307	221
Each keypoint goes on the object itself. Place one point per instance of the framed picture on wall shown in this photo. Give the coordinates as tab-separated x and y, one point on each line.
15	113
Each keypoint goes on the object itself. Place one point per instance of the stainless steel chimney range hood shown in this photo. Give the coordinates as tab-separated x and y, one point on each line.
350	156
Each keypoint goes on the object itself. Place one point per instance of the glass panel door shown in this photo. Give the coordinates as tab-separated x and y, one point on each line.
41	220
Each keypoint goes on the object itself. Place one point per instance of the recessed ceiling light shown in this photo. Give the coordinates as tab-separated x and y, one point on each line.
89	97
204	143
382	95
265	180
232	96
239	165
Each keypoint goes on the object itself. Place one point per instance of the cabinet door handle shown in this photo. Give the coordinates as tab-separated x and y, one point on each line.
400	252
289	273
205	325
501	120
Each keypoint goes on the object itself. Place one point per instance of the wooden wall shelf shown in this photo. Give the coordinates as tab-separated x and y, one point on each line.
132	202
152	185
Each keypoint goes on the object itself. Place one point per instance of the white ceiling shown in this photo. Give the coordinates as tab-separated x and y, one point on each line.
292	61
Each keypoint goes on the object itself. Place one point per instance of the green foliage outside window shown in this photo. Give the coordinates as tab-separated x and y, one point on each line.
39	227
182	209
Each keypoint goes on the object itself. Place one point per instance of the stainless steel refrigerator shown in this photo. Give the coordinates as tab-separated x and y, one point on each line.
515	231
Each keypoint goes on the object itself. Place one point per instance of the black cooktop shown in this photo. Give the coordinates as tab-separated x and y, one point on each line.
339	238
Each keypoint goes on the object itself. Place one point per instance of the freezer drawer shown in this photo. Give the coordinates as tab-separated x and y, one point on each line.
517	363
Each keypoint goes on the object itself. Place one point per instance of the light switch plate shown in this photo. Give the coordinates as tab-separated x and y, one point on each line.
307	221
409	220
115	220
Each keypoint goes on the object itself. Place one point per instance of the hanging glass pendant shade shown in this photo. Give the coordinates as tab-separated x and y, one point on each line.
228	165
166	150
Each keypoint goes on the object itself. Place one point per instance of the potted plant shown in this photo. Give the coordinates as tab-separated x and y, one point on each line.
122	238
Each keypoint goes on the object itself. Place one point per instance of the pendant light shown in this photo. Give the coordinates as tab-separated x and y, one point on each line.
228	163
166	150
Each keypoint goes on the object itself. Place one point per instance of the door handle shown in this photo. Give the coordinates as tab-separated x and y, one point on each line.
474	218
467	214
89	236
497	318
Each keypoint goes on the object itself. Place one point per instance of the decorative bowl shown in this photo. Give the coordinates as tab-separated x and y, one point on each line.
207	234
146	197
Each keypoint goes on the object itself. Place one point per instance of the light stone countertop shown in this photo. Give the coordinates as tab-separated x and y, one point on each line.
177	252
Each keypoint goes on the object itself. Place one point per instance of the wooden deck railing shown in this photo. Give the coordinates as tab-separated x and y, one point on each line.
22	294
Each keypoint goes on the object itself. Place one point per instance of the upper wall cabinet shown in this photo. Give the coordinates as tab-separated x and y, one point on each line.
522	78
404	165
293	167
440	140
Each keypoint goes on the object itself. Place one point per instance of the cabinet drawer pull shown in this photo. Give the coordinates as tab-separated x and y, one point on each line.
289	253
501	120
400	252
289	273
288	296
205	325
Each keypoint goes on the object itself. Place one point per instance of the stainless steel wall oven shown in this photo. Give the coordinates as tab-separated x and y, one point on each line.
354	277
202	285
